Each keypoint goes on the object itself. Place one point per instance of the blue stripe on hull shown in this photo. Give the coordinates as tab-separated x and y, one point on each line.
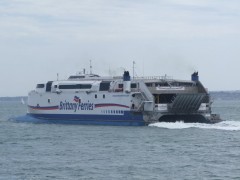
127	119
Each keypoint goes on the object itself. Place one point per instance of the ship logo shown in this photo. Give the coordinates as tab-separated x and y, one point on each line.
75	105
77	99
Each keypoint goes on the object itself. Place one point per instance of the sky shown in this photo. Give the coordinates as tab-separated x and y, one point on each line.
40	39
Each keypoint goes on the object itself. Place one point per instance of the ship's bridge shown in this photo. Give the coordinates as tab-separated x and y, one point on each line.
83	76
75	86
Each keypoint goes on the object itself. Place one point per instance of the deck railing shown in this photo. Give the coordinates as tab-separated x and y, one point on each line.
154	77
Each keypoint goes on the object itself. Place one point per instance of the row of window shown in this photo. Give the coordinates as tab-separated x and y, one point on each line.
104	86
112	111
165	84
70	86
75	86
97	96
133	85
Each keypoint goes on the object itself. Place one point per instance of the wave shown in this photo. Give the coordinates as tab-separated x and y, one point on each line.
224	125
26	119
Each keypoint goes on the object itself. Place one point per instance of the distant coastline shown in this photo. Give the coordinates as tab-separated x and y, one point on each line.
216	95
225	95
16	98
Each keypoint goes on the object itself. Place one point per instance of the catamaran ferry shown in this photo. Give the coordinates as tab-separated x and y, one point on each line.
91	99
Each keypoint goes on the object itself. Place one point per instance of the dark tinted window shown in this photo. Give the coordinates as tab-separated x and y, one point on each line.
67	86
94	75
76	77
149	84
134	85
104	86
75	86
84	86
166	98
49	86
162	84
185	84
40	85
120	86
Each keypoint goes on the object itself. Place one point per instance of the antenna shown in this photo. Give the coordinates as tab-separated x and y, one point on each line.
133	68
143	68
57	76
90	66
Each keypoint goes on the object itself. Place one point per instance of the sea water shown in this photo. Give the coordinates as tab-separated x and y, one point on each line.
30	150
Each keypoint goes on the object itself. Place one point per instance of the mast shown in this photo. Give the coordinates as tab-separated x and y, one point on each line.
133	69
90	66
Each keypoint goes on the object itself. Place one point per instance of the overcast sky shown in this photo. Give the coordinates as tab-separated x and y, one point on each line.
39	39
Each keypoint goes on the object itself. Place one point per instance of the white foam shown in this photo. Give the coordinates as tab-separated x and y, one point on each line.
225	125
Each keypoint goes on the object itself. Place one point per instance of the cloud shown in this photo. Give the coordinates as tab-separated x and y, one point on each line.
104	19
167	36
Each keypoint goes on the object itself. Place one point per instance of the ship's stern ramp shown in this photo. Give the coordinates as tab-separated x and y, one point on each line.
185	107
186	103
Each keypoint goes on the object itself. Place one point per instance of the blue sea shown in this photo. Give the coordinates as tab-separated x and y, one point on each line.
165	151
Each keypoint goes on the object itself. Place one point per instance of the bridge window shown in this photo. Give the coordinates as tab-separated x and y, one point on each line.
40	85
104	86
76	77
49	86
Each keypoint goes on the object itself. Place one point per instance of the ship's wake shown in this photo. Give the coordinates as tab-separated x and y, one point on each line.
25	119
224	125
229	125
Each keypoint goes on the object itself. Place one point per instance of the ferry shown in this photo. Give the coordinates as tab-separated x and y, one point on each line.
121	100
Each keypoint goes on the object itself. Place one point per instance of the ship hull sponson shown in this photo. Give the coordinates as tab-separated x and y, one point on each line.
190	118
89	119
84	108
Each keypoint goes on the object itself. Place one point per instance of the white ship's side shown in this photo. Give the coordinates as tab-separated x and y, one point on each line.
90	99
